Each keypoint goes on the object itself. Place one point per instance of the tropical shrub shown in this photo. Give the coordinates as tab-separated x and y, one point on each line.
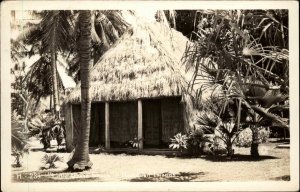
47	127
243	55
19	144
196	142
218	147
50	160
136	142
221	123
46	138
18	153
99	149
245	137
179	142
58	133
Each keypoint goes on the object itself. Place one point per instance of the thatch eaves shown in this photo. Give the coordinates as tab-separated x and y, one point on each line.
144	63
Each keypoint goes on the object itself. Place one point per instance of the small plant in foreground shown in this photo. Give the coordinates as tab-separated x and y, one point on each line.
136	142
18	154
179	142
19	145
99	149
50	160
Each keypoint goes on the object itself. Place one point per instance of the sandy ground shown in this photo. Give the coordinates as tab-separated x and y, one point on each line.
274	165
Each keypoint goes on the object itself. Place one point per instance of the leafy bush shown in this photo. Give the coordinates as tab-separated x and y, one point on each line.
19	144
18	153
264	135
218	147
47	128
50	160
99	149
179	142
222	125
196	142
244	139
136	142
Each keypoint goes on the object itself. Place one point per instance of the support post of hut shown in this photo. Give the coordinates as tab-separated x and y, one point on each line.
69	127
140	123
107	135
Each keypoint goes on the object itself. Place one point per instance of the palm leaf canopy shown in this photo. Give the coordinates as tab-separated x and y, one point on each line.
107	27
54	29
145	62
39	76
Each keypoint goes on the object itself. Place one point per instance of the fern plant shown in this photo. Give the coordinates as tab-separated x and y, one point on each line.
100	149
179	142
50	160
136	142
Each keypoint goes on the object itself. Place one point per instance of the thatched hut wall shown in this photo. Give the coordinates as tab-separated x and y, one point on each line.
97	126
123	122
188	113
97	129
172	118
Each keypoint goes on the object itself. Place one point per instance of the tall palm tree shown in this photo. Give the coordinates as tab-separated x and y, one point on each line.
50	36
107	27
80	159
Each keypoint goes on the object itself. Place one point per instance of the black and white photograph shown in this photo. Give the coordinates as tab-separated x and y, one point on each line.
149	96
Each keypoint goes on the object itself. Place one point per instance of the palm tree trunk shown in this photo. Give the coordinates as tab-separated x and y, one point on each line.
37	103
255	142
50	102
54	76
80	160
255	139
229	149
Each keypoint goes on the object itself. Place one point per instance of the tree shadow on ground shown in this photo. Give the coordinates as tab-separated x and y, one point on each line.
238	157
166	177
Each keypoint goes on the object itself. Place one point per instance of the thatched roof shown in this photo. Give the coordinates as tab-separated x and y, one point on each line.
144	63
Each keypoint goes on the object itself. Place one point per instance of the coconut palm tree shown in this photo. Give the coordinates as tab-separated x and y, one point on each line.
107	27
50	36
243	55
80	159
39	78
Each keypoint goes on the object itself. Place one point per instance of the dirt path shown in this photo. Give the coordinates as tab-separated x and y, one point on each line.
274	165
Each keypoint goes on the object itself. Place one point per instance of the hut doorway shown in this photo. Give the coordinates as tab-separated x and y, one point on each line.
152	123
122	123
97	128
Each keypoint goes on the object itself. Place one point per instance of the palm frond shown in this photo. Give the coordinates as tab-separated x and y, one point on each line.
274	119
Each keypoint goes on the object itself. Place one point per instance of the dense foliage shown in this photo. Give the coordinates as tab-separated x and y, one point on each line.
242	57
